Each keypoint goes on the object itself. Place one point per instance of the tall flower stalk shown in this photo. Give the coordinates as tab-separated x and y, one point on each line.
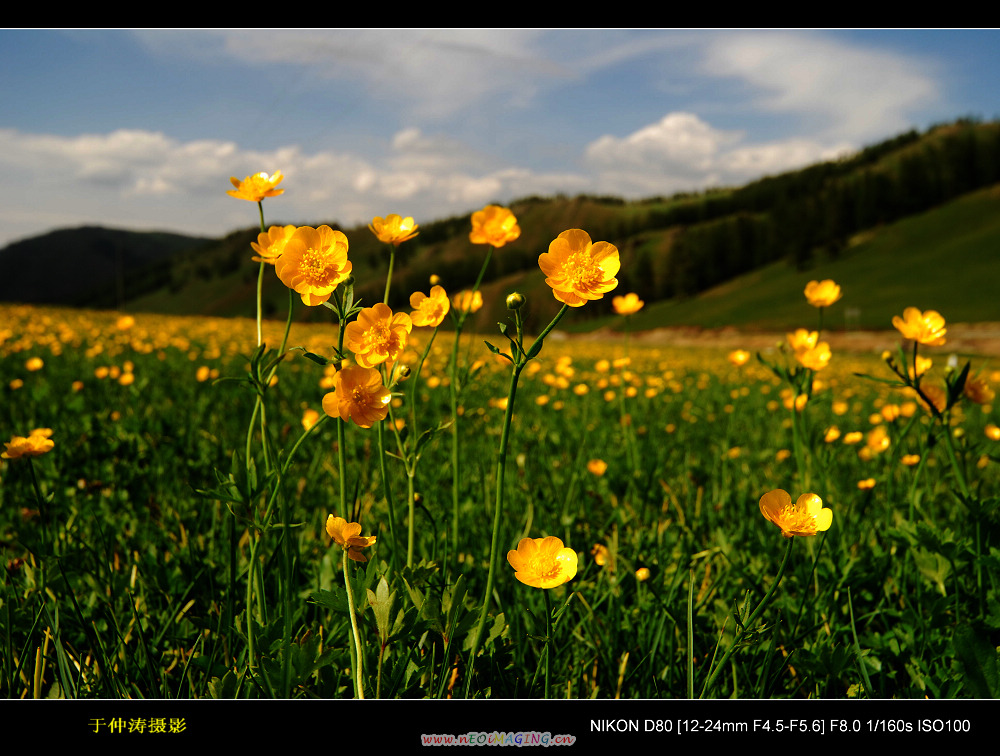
496	227
578	271
806	517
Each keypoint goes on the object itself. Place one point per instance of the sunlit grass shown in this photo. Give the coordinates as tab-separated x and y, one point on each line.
135	580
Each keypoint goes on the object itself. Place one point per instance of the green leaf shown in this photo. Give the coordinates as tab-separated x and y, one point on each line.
381	603
979	660
318	359
335	599
934	567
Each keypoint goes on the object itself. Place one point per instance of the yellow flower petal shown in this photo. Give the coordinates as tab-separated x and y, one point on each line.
256	187
543	562
806	517
494	225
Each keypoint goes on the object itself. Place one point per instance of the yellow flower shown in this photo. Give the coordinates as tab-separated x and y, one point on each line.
642	574
256	187
910	459
314	263
602	557
597	467
467	301
878	440
797	403
866	484
393	229
358	395
923	364
543	562
377	335
628	304
37	443
978	390
890	412
739	357
429	310
34	363
309	418
801	339
494	225
269	246
992	432
806	517
822	293
937	396
578	270
922	327
816	358
125	322
348	536
832	434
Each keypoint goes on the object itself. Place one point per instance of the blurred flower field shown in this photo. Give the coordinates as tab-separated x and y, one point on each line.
188	510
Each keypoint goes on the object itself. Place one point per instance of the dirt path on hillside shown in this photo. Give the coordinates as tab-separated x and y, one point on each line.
962	338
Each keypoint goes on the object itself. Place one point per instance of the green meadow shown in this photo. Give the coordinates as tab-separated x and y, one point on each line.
126	547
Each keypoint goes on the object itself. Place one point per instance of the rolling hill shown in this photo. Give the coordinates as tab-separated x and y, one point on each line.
910	221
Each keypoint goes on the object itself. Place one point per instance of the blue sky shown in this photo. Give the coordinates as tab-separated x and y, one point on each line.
143	128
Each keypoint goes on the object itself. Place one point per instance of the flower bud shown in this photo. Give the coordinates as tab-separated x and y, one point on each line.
515	301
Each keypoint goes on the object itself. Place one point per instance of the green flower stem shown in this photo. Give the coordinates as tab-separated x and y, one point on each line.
521	358
254	545
260	277
412	498
455	390
43	516
341	450
410	460
548	643
748	623
797	442
388	277
453	386
953	458
355	664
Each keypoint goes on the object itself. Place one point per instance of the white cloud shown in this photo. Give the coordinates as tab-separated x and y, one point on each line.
431	74
834	89
141	179
682	152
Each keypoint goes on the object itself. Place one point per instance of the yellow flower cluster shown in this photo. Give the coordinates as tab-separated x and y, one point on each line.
35	444
809	351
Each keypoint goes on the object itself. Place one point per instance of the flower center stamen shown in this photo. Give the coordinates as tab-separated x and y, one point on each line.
581	269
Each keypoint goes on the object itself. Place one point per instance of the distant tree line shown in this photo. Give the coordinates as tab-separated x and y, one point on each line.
814	212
